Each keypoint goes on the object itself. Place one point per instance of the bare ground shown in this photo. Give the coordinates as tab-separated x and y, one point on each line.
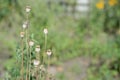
75	69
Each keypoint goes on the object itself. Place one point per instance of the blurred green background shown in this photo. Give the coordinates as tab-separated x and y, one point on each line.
92	33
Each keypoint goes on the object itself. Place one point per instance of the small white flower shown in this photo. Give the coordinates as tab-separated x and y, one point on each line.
49	52
28	8
37	49
22	34
31	43
25	25
36	63
45	31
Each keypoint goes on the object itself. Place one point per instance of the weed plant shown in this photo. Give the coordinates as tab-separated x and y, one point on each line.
32	63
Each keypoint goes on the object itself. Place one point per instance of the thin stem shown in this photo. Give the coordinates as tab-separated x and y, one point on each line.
22	65
48	67
40	75
27	55
30	63
37	74
27	47
45	42
44	56
38	56
46	76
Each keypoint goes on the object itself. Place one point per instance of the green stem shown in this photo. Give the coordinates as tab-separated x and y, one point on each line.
27	55
48	66
37	74
22	65
27	47
44	56
30	63
45	42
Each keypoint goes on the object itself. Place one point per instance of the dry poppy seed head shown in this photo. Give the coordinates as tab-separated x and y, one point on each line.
31	43
37	49
25	25
36	63
28	8
22	34
49	52
45	31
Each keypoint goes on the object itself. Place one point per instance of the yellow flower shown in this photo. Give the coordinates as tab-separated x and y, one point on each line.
100	4
112	2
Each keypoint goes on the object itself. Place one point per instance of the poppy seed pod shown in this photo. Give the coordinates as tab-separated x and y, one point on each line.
45	31
49	52
25	25
22	34
28	8
31	43
36	63
37	49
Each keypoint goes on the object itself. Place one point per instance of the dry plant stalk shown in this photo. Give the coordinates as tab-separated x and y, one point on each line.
27	46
